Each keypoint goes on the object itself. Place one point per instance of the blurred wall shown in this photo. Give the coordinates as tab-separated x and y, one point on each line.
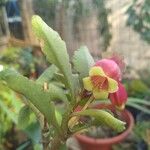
125	39
77	24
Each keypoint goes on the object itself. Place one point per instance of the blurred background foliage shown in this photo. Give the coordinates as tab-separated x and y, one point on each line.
77	9
29	61
139	18
9	108
19	128
11	105
137	88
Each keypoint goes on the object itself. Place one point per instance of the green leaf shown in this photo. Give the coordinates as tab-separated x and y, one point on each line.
10	114
141	129
76	83
54	48
24	117
38	147
40	98
138	86
63	146
59	77
75	80
104	118
47	75
80	127
58	117
139	107
58	93
33	131
58	84
83	61
138	101
24	145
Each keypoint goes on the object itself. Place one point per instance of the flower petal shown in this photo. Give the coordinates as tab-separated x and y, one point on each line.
119	98
113	85
96	71
100	94
121	107
87	84
110	67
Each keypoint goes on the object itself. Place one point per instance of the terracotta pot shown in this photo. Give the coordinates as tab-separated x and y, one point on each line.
88	143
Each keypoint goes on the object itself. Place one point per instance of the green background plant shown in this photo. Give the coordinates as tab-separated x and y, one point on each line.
139	19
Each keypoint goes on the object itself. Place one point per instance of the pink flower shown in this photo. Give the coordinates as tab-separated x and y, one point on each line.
119	98
110	68
117	57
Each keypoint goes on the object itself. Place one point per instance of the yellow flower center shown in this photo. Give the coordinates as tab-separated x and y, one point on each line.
99	83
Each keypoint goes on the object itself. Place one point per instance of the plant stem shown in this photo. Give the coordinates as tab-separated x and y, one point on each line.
45	137
88	103
64	134
61	137
55	144
75	119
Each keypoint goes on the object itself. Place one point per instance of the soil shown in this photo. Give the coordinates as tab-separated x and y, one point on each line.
101	132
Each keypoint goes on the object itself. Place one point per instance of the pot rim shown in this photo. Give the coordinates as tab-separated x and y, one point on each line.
111	140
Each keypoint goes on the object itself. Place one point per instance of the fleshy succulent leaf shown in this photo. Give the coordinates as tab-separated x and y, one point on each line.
58	117
54	48
76	83
104	118
24	116
59	77
47	75
57	93
40	98
83	61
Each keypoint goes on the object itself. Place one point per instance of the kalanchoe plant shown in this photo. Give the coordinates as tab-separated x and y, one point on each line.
79	85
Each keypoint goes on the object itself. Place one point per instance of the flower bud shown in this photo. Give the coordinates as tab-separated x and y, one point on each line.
110	68
119	98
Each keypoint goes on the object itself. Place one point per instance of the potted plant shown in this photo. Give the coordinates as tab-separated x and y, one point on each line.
62	86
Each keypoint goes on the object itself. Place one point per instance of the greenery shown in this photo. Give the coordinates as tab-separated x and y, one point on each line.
142	131
42	95
29	60
104	26
140	104
10	105
20	58
137	88
144	75
2	2
139	19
